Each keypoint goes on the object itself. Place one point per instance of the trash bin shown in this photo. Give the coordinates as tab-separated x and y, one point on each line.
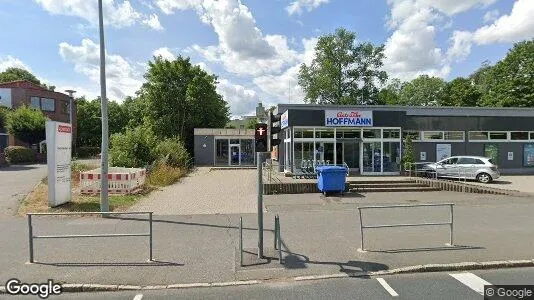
331	179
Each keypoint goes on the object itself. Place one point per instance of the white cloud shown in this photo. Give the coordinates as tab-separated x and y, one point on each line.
411	50
461	45
165	53
297	6
116	13
516	26
152	21
122	78
491	15
12	62
452	7
169	6
242	100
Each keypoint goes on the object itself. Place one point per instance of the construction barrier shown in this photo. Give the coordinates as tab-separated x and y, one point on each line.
121	181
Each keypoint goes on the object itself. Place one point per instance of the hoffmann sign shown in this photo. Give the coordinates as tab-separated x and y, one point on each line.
58	147
348	118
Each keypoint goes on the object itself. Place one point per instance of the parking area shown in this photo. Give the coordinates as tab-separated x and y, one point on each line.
521	183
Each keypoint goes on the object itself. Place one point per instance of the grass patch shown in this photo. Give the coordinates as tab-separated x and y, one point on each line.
37	200
164	175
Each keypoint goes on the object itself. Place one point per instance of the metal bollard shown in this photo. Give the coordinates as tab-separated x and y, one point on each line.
361	229
451	240
30	237
150	257
240	241
276	237
279	242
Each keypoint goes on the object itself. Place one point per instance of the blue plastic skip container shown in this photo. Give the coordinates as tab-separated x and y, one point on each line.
331	178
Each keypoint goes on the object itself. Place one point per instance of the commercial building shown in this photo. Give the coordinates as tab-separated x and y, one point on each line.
369	138
54	105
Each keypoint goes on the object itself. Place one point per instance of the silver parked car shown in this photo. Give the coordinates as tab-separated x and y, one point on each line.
479	168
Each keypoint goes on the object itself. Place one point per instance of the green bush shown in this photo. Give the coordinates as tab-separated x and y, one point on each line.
408	157
18	154
134	148
163	175
172	152
84	152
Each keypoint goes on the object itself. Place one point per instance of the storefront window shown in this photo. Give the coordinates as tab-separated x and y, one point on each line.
391	133
532	135
324	133
371	133
519	135
453	136
307	133
391	158
247	152
498	136
528	155
221	152
478	136
432	135
415	135
352	134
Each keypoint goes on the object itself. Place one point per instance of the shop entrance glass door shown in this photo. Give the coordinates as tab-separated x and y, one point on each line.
351	155
234	155
371	157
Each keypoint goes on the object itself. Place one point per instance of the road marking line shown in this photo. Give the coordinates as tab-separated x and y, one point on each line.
472	281
388	288
138	297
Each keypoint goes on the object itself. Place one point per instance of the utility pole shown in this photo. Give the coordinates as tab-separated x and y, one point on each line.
104	201
71	96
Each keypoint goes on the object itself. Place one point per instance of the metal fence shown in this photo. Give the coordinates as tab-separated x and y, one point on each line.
449	223
414	169
31	236
277	240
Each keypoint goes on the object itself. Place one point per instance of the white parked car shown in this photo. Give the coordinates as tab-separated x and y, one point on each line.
479	168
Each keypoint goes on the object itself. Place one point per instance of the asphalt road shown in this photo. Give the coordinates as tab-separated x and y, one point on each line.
442	285
15	183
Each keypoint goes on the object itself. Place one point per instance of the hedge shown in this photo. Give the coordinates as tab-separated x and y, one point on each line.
84	152
18	154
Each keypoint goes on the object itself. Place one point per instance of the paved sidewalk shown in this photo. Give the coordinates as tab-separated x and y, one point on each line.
321	237
521	183
205	192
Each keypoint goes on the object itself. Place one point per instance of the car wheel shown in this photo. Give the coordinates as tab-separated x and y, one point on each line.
484	178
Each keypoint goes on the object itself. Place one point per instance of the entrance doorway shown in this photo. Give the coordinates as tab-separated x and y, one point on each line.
235	155
234	152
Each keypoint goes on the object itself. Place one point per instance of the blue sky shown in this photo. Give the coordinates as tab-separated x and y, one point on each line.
254	46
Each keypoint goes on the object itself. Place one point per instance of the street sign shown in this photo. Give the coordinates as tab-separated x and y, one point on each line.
58	149
260	137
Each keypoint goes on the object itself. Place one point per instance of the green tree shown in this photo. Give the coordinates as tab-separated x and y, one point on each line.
481	78
251	124
343	71
4	111
461	92
133	148
423	91
511	80
179	97
27	124
135	109
408	154
12	74
390	94
89	130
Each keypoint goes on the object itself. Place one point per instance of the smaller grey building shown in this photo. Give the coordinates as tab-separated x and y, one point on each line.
224	147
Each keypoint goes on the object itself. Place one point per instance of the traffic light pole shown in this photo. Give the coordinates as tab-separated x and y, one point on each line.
260	205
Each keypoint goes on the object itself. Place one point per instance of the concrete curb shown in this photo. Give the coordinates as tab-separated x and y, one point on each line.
462	266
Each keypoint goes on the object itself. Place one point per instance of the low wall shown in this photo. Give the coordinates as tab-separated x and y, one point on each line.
456	186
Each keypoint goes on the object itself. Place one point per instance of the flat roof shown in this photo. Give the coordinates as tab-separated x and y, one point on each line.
422	110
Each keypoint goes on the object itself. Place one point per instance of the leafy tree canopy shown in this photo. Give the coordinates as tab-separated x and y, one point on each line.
343	71
423	91
27	124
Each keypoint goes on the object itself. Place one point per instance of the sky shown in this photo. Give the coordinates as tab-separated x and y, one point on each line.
255	47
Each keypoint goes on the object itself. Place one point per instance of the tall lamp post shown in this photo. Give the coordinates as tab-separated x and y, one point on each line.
104	201
71	96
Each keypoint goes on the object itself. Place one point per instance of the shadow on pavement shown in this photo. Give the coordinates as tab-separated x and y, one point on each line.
299	261
425	249
501	182
155	263
14	168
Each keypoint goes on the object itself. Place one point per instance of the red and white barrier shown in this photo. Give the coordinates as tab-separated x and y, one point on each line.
121	181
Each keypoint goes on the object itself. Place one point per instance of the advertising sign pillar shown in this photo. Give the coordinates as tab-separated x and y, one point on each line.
58	148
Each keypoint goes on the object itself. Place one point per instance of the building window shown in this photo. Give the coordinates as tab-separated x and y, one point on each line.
478	136
454	136
432	135
35	102
372	133
391	133
498	135
532	135
519	135
48	104
349	134
415	135
324	133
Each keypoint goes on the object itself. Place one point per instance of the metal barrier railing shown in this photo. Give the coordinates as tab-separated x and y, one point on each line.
277	240
412	168
450	223
31	237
